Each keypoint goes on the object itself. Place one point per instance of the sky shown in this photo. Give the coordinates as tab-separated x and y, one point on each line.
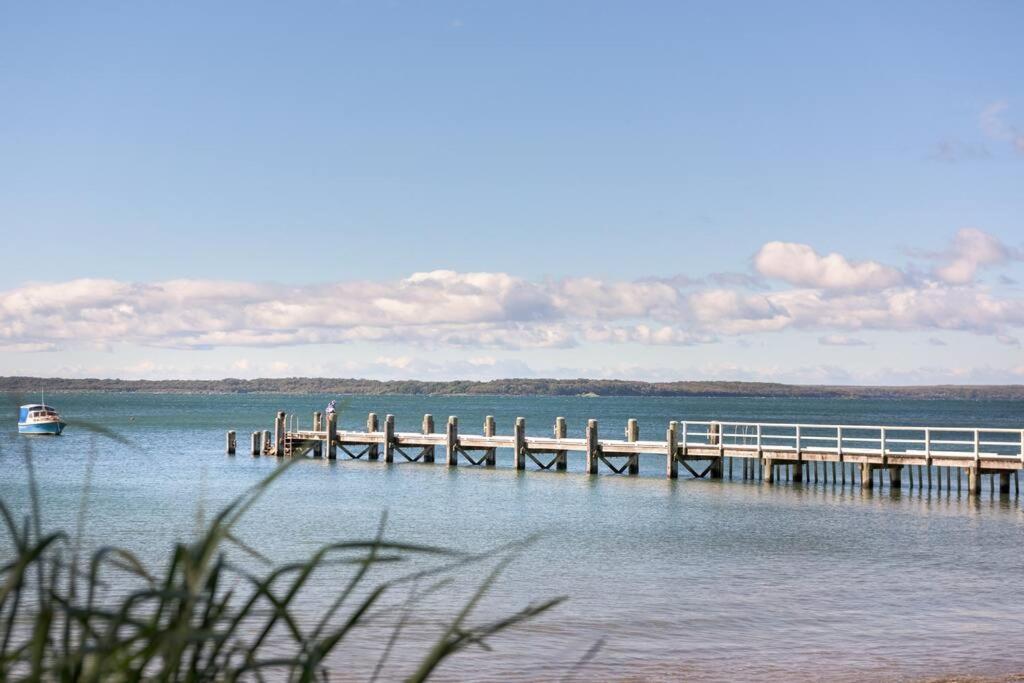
809	192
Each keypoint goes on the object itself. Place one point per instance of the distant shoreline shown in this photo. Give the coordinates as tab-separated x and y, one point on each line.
508	387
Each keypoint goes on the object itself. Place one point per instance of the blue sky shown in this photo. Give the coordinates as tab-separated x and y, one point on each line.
276	157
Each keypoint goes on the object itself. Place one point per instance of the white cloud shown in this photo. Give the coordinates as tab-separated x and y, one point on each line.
801	265
832	296
840	340
972	249
993	123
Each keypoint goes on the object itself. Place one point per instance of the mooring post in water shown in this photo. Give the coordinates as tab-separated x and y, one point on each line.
561	457
331	437
1004	482
671	445
268	442
372	425
389	438
318	426
491	454
279	434
633	435
519	444
428	428
230	445
256	445
867	480
451	441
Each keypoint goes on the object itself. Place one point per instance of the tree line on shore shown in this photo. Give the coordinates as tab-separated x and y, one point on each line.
506	387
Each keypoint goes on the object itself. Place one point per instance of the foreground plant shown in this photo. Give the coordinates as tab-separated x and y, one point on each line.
205	617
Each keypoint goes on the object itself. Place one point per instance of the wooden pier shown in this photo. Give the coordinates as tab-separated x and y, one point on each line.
706	449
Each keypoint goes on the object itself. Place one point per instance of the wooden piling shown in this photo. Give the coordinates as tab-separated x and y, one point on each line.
491	458
451	442
561	457
229	447
331	435
268	442
372	425
593	447
867	480
428	428
798	472
1004	482
768	467
256	445
895	477
633	435
671	464
973	481
389	438
279	431
519	444
318	426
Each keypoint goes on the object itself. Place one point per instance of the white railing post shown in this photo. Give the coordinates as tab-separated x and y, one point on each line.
759	441
798	438
684	435
977	445
839	441
927	442
881	440
1022	446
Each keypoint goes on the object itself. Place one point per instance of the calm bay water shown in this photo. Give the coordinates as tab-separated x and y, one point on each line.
687	579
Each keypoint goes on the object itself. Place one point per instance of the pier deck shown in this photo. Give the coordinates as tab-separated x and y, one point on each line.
765	450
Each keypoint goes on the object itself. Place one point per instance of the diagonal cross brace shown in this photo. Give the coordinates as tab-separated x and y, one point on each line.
540	464
353	455
613	468
694	472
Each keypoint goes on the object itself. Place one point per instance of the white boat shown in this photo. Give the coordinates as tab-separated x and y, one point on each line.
39	418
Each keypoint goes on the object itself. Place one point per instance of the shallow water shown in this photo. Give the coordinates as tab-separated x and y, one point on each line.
678	579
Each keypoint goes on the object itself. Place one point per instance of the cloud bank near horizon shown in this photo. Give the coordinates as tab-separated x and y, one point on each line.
790	287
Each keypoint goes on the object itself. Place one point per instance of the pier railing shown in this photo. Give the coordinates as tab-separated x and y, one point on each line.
929	442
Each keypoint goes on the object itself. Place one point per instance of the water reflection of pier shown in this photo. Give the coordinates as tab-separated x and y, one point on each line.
764	451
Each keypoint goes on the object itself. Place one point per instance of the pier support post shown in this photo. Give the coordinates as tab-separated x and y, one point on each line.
561	457
428	428
229	447
491	458
867	479
973	481
389	438
451	441
279	434
895	477
593	447
768	467
372	425
1004	481
318	426
633	435
672	439
519	444
331	437
268	442
256	445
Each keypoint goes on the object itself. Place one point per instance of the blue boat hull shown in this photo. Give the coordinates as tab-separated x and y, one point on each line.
51	428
